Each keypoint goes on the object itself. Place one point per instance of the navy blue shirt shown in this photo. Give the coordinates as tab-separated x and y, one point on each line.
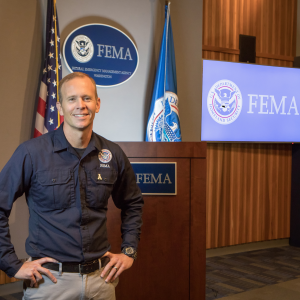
67	198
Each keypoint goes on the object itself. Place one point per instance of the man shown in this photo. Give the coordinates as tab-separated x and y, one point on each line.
67	177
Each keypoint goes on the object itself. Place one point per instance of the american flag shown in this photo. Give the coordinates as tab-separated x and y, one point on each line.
47	116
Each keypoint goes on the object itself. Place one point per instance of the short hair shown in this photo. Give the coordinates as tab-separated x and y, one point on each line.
72	76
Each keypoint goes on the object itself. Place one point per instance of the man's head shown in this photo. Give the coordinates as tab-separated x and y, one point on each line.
72	76
78	102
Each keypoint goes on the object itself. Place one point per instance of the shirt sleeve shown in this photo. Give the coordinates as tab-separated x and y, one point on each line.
128	197
14	181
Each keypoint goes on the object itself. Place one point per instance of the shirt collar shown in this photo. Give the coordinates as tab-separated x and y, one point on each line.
94	142
61	143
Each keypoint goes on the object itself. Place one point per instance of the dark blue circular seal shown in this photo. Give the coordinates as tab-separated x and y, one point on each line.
103	52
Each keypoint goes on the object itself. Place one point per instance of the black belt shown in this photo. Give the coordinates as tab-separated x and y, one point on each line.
70	267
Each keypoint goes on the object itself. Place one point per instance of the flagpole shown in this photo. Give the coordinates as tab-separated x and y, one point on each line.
167	31
56	63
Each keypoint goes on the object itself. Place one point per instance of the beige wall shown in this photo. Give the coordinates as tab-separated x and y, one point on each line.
125	108
187	31
21	36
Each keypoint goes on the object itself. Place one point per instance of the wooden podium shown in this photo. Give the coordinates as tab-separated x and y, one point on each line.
171	254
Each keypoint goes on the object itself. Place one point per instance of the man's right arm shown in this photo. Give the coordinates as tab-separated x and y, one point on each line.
15	179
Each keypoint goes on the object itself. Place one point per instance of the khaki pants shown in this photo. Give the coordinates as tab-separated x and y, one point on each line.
72	286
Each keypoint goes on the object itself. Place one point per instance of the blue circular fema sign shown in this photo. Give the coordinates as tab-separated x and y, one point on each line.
103	52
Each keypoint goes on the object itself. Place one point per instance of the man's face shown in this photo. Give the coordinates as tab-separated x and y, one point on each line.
79	103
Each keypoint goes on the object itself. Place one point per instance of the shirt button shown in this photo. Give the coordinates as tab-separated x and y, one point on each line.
84	227
53	180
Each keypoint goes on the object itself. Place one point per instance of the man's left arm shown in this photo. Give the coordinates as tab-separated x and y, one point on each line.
127	197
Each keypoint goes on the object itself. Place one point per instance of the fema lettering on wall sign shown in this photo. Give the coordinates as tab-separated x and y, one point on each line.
103	52
157	178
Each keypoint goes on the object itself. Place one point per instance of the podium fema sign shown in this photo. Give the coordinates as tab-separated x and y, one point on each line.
156	178
103	52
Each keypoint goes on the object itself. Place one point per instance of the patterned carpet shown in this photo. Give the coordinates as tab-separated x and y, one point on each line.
17	296
235	273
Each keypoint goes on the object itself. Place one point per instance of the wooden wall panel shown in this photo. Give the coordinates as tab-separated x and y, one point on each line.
5	279
248	185
273	22
248	193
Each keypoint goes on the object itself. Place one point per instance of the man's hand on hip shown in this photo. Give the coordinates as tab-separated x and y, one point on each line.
32	269
118	263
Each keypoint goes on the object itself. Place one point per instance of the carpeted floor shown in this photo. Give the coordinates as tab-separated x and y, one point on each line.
235	273
17	296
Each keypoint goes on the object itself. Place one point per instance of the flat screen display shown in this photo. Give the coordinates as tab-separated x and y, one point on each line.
250	103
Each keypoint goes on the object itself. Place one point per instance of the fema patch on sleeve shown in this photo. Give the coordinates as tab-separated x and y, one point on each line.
105	156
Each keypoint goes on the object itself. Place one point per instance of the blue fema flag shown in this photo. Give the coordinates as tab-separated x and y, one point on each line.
163	121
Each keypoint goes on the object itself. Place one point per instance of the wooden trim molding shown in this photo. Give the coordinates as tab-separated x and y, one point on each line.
220	49
275	56
164	149
237	52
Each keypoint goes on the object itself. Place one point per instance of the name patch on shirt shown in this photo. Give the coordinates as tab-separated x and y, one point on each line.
104	166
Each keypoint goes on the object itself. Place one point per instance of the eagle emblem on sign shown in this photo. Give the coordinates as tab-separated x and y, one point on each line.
82	48
225	99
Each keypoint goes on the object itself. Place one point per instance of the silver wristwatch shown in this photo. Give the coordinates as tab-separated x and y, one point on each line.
129	251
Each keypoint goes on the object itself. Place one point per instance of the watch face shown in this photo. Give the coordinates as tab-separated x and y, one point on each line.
129	250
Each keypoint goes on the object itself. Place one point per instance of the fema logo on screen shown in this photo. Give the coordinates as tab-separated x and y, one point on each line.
82	48
224	102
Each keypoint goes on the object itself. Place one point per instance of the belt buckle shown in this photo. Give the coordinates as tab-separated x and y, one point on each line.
82	266
59	268
81	269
